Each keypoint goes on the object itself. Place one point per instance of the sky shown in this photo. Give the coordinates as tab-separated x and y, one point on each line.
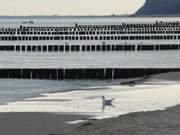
69	7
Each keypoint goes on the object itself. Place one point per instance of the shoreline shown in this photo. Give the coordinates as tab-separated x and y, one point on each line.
136	95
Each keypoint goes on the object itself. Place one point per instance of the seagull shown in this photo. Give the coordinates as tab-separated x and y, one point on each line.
107	102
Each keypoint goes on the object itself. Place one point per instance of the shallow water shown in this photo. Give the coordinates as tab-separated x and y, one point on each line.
12	90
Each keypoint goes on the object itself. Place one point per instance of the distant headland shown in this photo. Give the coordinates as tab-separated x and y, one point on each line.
160	7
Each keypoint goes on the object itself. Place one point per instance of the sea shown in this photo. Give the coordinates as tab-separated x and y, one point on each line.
14	90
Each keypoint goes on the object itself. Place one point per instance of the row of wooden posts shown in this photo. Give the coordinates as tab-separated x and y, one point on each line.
61	74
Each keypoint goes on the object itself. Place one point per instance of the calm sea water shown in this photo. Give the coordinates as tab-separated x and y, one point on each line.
13	90
161	59
144	59
53	21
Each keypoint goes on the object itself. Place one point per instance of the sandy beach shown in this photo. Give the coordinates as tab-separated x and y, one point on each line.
165	122
160	122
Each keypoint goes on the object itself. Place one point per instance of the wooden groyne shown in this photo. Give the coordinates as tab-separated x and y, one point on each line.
88	48
61	74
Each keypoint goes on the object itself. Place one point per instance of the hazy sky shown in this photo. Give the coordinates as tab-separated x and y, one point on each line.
68	7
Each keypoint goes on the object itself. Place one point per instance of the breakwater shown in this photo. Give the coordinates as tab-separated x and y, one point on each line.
61	74
88	48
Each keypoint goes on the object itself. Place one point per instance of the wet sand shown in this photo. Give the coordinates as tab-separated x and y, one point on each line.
35	123
143	123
